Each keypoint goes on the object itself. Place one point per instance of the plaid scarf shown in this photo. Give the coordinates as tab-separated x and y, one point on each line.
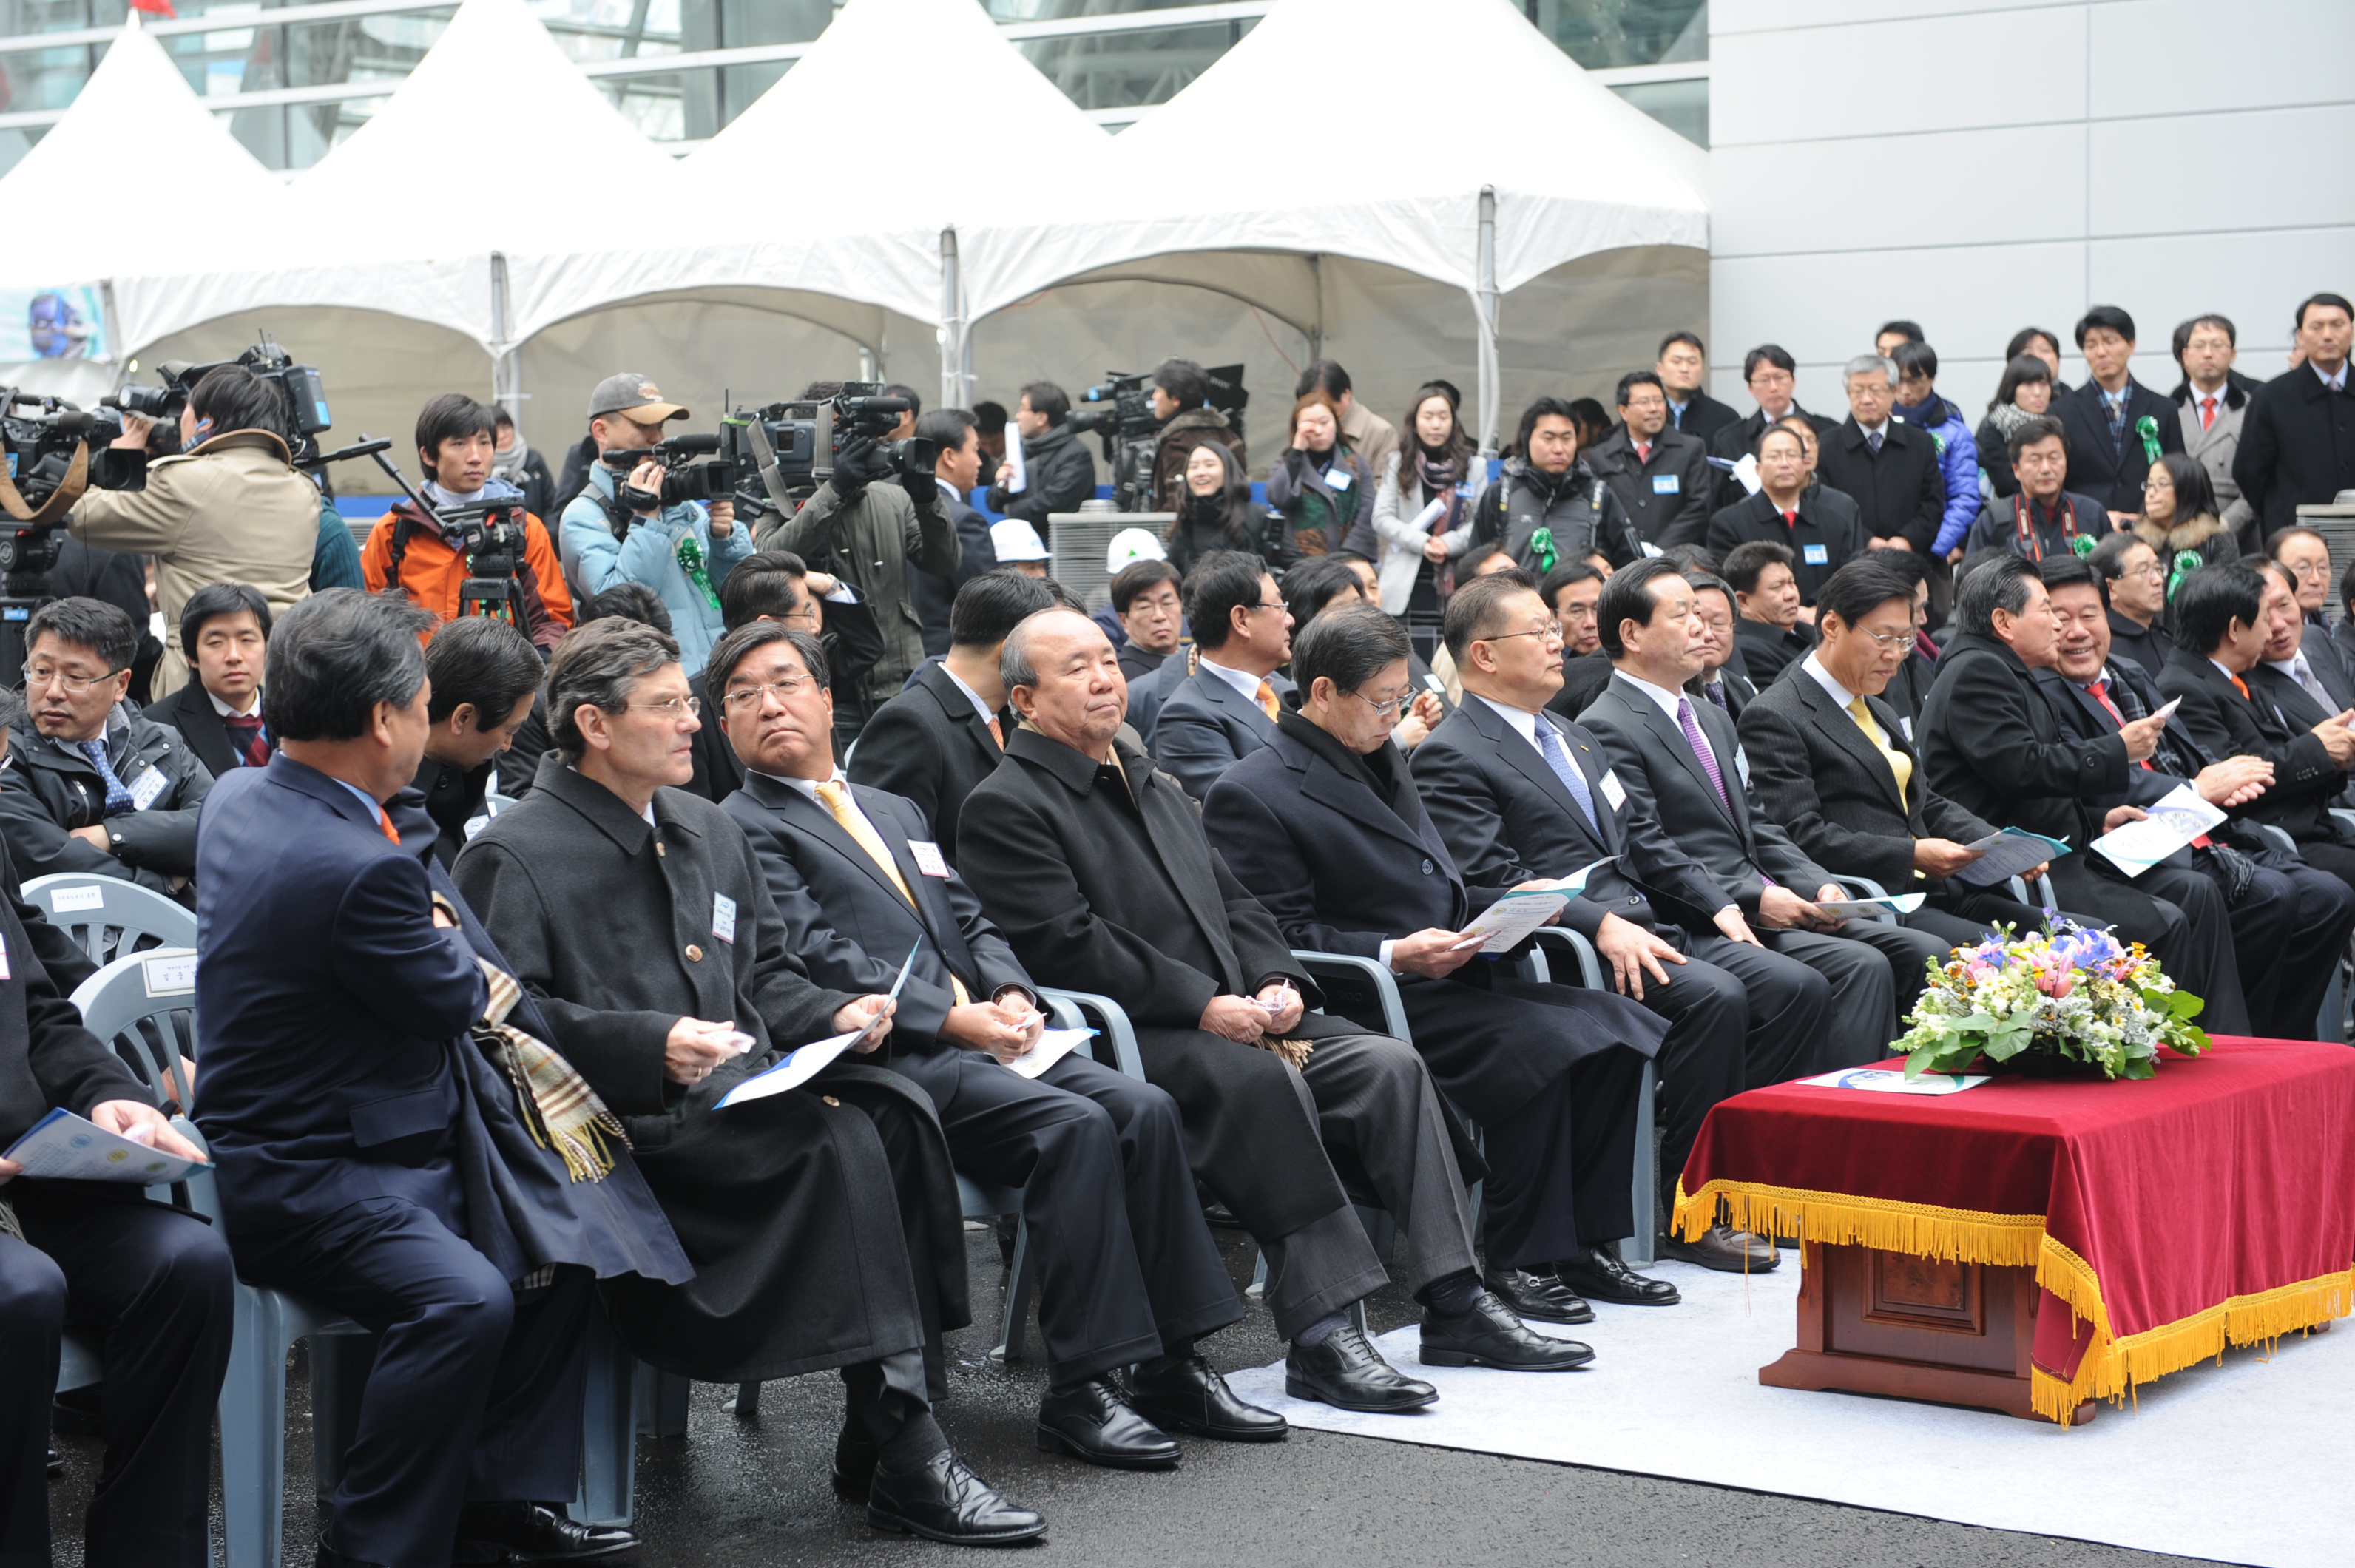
557	1102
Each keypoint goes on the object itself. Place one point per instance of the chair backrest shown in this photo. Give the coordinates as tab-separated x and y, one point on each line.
143	1006
107	916
493	803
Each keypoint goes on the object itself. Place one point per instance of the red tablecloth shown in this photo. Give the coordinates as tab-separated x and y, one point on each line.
2213	1203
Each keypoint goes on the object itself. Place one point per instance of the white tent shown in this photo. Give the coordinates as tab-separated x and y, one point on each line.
835	224
1366	176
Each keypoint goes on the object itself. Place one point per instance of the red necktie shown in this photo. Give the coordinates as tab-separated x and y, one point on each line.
1790	520
2101	691
1642	451
2207	413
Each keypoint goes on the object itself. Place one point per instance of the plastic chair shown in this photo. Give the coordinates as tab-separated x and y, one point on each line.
107	916
1554	942
1866	887
493	803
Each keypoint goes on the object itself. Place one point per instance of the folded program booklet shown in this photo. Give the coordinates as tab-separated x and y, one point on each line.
63	1147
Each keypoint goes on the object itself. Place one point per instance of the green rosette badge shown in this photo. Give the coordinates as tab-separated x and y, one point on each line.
691	561
2148	428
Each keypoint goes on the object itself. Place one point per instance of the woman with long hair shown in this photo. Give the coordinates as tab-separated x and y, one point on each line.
2027	389
2179	519
1320	488
1422	515
1215	510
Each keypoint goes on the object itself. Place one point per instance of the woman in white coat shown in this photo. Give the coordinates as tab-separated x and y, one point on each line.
1422	515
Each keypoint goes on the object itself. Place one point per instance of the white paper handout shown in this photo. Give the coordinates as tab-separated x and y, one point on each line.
1053	1045
1903	903
2008	854
2179	818
1019	479
1884	1081
63	1147
807	1061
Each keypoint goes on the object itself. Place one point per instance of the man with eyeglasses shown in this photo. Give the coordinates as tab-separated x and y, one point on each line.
1661	475
92	785
1772	378
1227	708
1132	1276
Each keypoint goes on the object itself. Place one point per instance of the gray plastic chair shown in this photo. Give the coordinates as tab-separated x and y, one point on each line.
107	916
1556	948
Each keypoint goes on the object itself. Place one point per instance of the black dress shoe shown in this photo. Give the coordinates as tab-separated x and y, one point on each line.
1184	1394
1724	1248
532	1533
1486	1334
1537	1297
56	1464
330	1558
1092	1422
1349	1373
945	1502
1597	1274
854	1466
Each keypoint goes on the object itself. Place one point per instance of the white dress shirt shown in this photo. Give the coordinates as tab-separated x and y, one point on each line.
252	705
971	696
1241	680
1661	696
1832	689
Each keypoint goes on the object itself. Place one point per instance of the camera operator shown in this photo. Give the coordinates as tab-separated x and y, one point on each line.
230	508
869	527
1181	401
457	449
683	551
1058	471
958	468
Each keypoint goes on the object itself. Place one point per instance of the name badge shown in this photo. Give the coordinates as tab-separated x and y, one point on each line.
928	858
5	971
1337	478
1906	725
149	789
1667	484
1613	790
1741	765
723	918
1816	554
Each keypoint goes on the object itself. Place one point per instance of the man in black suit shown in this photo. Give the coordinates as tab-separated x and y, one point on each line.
1517	795
1771	626
768	586
1788	511
1146	596
1661	475
1325	827
1095	866
2298	439
958	469
1836	767
225	635
2134	592
1992	742
2289	920
1888	467
1132	1276
1680	762
2234	706
1772	376
1226	708
944	734
2116	425
1683	369
484	674
1725	677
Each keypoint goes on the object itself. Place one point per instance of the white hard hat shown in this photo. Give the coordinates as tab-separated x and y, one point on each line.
1015	539
1130	545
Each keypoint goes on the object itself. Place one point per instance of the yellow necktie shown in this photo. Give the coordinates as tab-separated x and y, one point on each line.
1899	763
837	799
1267	702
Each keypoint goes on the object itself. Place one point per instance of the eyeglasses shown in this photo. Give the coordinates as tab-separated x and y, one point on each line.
675	709
804	610
1885	641
37	675
1550	632
740	698
2317	569
1279	604
1388	706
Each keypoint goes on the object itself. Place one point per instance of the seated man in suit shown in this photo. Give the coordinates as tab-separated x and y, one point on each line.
2289	920
1095	866
768	586
1517	795
1835	766
225	633
1723	679
1144	596
946	733
373	1154
1786	510
1991	741
94	784
857	882
2296	674
1681	763
486	674
1770	625
1226	708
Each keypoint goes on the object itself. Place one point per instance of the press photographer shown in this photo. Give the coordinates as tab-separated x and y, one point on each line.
1181	399
230	507
620	529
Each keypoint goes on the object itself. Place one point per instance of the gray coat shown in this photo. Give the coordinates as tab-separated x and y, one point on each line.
869	540
1205	725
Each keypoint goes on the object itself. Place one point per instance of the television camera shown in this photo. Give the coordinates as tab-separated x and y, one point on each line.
1130	431
792	447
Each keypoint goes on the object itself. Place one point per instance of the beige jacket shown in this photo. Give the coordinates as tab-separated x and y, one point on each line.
234	509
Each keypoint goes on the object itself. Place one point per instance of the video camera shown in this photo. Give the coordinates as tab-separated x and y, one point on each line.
1131	430
301	395
804	438
684	478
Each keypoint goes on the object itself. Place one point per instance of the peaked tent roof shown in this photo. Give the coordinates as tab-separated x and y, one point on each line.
1575	167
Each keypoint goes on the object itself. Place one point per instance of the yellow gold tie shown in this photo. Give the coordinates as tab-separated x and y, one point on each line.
1899	763
837	799
1267	702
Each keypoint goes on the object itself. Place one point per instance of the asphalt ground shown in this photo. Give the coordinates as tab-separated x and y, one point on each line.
752	1492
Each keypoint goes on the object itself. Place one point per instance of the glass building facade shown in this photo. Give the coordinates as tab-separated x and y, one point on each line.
294	77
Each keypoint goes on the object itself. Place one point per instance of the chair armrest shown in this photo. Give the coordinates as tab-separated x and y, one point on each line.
1070	1009
1343	965
2346	818
1866	887
2278	837
1577	955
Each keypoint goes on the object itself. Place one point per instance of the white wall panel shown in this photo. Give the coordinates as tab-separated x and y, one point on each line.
2189	56
1869	195
2217	172
1728	16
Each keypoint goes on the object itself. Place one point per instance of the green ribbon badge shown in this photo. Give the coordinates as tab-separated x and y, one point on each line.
2083	545
691	561
2187	561
1541	547
2148	428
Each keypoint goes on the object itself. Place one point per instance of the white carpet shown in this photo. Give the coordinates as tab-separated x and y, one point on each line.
2242	1463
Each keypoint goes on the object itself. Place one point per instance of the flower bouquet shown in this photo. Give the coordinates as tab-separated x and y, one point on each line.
2036	1003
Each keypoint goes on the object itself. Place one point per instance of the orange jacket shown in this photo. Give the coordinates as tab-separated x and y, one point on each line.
433	574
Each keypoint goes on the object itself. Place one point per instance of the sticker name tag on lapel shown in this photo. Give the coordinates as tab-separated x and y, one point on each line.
1337	478
1817	554
1613	790
928	858
1741	763
149	789
1667	484
723	918
5	973
1906	725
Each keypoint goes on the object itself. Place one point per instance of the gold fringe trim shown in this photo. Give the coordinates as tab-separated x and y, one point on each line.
2112	1367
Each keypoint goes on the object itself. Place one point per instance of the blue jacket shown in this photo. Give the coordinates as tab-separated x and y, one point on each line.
1958	460
595	560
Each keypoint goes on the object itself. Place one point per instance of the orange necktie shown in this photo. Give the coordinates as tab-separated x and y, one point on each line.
385	822
2241	686
995	734
1267	702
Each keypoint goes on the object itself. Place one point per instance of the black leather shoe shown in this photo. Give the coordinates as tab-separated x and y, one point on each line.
1597	1274
945	1502
532	1533
1092	1422
854	1466
1486	1334
56	1464
1537	1297
1184	1394
1724	1248
1349	1373
330	1558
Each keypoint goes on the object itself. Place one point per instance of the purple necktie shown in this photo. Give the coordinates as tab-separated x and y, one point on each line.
1691	724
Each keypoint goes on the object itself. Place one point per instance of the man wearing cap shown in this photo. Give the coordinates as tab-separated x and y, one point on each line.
1018	546
682	551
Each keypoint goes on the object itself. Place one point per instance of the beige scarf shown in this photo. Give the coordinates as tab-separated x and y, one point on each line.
557	1102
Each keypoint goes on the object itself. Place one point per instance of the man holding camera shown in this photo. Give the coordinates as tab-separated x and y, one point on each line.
1181	401
431	556
868	522
619	528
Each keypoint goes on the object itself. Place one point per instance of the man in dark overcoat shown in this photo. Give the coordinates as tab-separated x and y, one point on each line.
823	1221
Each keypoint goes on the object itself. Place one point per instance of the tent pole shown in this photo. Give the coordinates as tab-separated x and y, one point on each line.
507	390
1316	280
1485	322
110	327
953	345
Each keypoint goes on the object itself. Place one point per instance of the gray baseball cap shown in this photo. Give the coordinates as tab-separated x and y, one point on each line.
634	395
